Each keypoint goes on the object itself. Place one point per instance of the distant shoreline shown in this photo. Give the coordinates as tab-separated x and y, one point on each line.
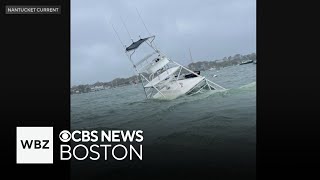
196	66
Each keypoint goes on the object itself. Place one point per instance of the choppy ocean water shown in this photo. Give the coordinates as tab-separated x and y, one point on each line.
206	131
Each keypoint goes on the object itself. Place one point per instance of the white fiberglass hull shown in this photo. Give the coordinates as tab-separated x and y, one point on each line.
178	88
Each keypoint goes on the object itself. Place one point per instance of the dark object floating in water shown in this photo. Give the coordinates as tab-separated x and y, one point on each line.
246	62
191	75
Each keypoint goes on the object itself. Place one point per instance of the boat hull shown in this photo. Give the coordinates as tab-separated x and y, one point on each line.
178	88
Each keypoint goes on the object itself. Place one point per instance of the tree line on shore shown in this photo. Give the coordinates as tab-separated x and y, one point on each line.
195	66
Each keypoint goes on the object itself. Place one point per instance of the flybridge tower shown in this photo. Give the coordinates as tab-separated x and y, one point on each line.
163	78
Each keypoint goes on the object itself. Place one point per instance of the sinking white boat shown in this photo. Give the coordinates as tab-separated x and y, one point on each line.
163	78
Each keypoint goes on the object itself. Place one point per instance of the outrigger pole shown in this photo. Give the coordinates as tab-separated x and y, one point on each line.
117	35
143	22
126	28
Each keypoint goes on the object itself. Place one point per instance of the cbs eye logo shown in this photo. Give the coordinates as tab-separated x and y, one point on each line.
65	136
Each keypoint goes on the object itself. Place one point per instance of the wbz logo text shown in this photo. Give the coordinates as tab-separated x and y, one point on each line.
34	145
37	144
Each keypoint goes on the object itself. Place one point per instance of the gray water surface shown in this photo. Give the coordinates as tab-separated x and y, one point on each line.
212	129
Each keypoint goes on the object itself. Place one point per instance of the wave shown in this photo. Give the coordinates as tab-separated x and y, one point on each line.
166	106
210	105
251	85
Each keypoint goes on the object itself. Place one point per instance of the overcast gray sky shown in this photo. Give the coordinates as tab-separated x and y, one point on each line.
212	29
